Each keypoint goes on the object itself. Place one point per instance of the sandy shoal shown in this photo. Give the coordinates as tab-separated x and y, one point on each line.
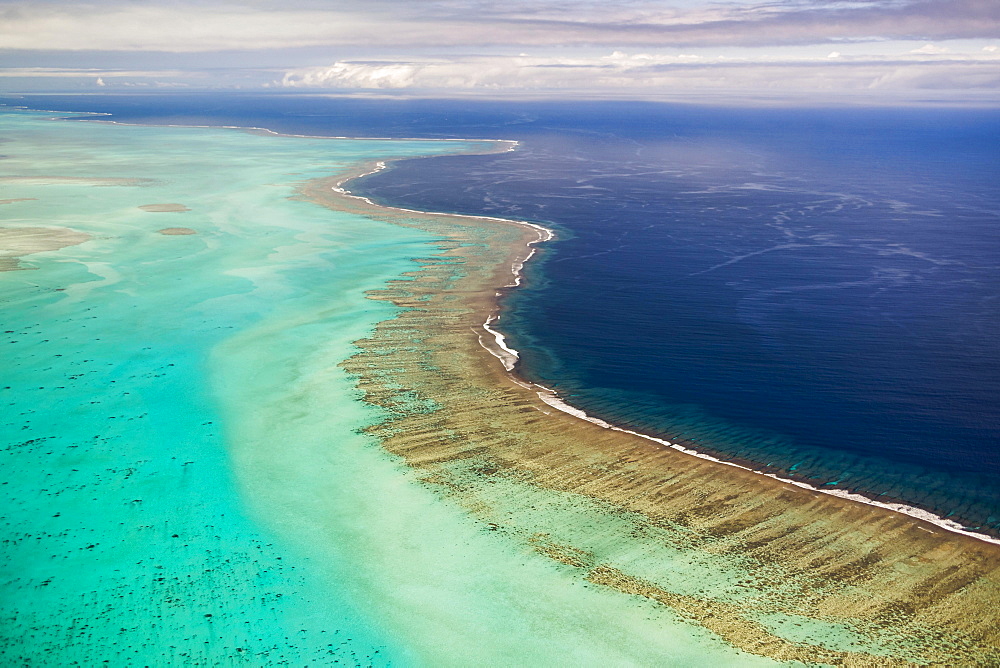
167	207
16	242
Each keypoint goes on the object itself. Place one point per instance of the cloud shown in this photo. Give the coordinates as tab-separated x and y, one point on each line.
931	49
625	47
177	28
486	72
651	74
90	73
180	27
364	75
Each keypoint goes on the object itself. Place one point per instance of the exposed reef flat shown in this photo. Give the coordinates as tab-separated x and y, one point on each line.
16	242
176	231
774	569
164	208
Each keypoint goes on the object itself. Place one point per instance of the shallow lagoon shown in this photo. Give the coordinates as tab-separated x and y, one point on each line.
184	477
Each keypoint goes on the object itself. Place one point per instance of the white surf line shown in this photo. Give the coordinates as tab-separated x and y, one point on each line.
22	107
551	398
544	233
513	144
508	357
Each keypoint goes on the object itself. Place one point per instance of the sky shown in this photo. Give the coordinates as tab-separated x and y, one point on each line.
937	51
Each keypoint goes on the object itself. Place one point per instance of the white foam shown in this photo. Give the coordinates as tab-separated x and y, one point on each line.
507	355
552	399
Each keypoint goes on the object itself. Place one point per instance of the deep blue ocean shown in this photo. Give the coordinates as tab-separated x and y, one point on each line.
813	291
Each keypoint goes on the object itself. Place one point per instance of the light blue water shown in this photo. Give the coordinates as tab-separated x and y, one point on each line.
126	537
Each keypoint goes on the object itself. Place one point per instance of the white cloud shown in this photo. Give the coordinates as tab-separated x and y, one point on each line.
631	46
358	75
931	50
214	26
492	72
649	74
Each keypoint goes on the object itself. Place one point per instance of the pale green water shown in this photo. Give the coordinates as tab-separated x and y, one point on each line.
183	479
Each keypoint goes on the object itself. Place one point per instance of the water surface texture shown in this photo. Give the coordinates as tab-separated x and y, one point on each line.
813	291
185	478
813	295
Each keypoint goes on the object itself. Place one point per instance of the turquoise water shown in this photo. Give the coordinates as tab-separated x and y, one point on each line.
184	481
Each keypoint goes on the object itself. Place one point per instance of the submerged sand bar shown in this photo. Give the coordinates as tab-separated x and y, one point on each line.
773	568
16	242
169	207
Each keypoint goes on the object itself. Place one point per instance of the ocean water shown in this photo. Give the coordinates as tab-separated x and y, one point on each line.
812	291
185	481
